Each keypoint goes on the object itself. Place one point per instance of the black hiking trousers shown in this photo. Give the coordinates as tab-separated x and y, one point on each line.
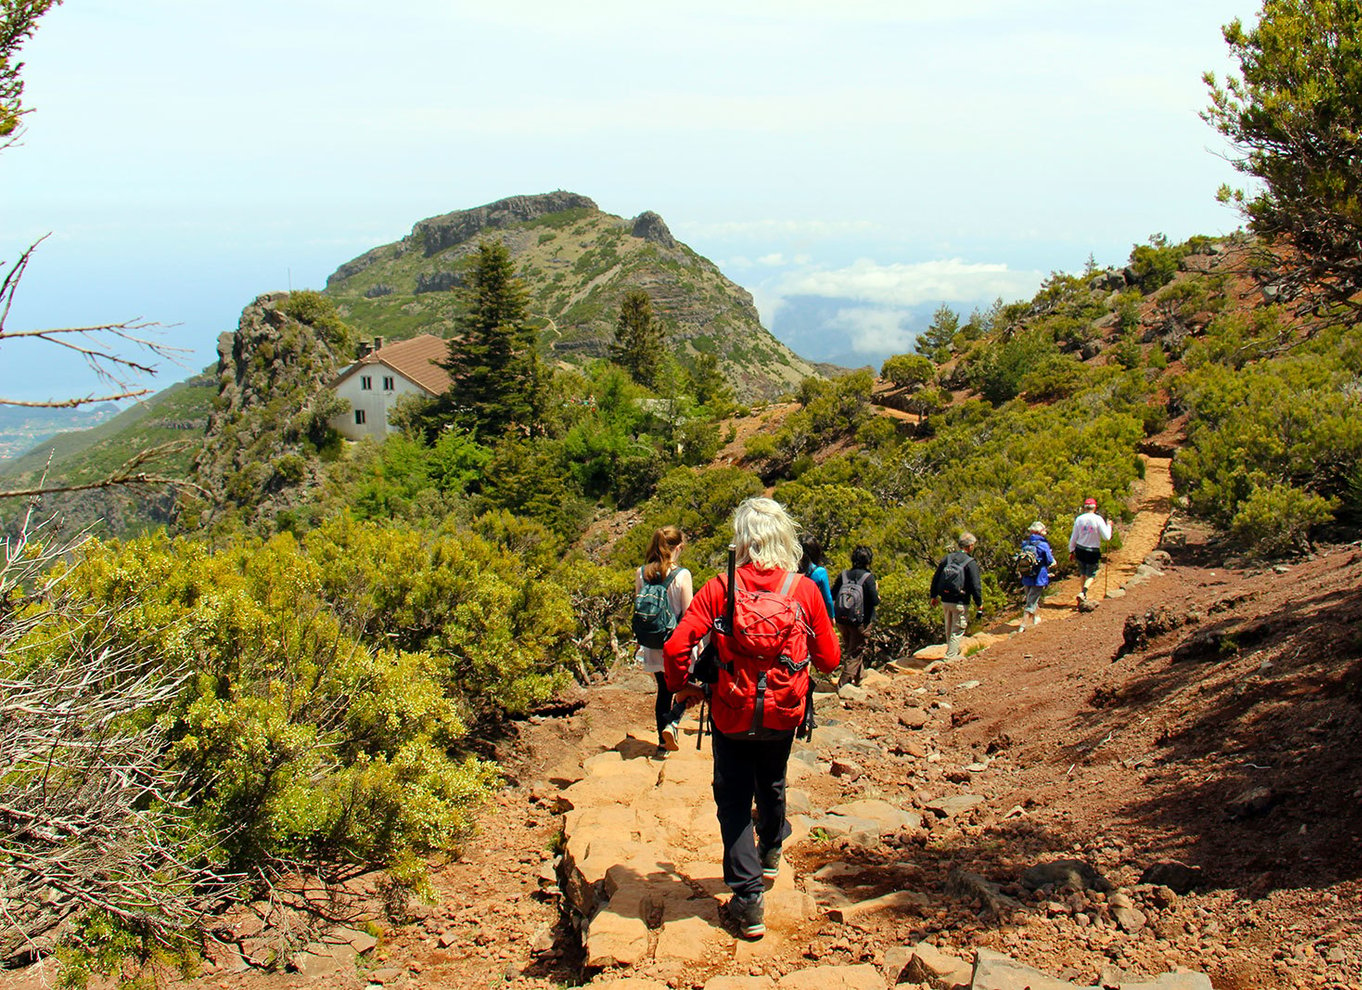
748	771
664	709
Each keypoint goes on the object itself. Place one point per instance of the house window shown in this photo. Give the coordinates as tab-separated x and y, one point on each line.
366	382
359	417
388	383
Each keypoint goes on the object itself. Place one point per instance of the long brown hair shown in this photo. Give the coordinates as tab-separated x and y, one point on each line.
658	560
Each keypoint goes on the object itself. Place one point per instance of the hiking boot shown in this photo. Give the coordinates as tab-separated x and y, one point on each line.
660	752
748	914
670	737
770	863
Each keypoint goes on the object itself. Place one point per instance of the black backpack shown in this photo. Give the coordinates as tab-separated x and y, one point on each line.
654	619
953	574
850	604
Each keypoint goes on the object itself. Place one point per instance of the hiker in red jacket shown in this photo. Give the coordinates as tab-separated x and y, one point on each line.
759	698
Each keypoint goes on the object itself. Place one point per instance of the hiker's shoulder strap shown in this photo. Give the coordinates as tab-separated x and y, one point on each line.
788	584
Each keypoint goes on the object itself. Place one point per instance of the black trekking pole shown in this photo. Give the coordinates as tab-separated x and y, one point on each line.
732	579
720	627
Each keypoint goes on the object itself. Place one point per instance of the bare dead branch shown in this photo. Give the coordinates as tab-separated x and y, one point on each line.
92	817
126	476
72	403
102	346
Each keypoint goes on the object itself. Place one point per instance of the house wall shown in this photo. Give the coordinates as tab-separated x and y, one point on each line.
375	401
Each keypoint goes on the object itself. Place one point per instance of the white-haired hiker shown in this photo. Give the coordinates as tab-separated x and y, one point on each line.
758	701
1036	583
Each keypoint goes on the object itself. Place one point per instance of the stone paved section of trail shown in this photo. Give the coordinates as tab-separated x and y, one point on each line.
641	866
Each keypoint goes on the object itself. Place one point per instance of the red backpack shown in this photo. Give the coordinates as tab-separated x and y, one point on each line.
766	682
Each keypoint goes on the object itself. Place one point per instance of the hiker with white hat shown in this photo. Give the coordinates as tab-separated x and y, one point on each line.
1033	562
1085	544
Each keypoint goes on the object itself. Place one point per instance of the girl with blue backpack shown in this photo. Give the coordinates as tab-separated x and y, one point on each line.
662	592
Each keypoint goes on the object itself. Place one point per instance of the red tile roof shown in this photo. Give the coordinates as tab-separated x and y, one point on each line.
414	359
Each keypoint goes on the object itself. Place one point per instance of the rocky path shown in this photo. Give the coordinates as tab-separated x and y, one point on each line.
641	870
641	864
1129	565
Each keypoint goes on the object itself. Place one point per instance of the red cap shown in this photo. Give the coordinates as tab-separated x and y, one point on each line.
1090	503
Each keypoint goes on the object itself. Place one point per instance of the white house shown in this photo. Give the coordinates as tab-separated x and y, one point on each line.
373	384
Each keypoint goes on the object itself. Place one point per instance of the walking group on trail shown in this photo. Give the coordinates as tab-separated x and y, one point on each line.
744	644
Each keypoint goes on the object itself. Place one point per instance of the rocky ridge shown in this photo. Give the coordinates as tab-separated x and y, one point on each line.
577	262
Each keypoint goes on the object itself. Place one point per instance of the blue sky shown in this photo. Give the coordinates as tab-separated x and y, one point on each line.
188	156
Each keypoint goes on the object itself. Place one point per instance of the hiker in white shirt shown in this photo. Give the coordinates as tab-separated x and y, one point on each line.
1085	544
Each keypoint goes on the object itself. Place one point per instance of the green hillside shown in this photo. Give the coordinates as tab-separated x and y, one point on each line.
577	263
178	413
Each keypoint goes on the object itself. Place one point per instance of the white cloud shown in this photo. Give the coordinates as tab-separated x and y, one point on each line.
762	229
775	260
945	280
875	331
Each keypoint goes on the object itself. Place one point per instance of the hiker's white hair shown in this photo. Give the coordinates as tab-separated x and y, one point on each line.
764	534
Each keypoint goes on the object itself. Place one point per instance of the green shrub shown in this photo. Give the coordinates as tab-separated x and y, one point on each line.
907	370
1276	521
759	447
1055	377
317	311
306	728
1154	264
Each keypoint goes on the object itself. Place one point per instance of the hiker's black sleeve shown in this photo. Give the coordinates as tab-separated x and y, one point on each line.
976	584
935	590
872	599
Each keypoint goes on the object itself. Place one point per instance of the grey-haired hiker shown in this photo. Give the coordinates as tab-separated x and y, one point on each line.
955	582
1036	583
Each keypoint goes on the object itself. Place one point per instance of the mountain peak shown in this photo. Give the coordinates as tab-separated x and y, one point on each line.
438	233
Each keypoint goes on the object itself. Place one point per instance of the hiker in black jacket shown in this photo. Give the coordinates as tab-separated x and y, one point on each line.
955	582
855	598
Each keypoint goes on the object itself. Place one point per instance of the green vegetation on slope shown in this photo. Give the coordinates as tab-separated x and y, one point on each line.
176	414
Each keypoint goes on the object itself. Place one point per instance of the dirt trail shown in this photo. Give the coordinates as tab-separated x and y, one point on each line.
1152	504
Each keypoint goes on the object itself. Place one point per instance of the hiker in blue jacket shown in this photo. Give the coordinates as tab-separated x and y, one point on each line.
1035	584
811	565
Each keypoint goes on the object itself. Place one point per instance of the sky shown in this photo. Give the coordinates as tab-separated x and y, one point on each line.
876	157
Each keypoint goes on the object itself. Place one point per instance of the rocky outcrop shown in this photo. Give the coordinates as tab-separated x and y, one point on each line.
438	233
437	282
651	227
272	407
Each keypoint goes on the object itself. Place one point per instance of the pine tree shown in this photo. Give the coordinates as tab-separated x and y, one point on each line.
1295	115
18	21
935	341
497	379
639	340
